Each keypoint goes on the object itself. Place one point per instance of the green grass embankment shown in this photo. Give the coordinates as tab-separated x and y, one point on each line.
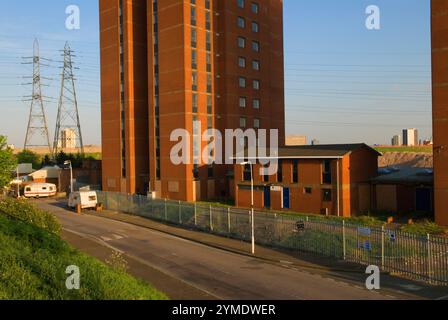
34	259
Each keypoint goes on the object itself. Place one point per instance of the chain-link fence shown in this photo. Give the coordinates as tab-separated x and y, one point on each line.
423	258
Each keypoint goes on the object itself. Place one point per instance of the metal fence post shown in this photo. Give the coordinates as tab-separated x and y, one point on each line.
211	218
344	245
166	210
180	212
228	220
195	214
382	246
428	244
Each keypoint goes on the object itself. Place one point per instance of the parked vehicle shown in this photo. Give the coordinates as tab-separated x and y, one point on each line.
84	199
40	190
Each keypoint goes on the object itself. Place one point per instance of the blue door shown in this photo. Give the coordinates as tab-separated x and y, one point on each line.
286	198
267	197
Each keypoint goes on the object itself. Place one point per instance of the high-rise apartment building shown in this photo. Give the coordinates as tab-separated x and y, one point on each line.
185	64
396	141
439	17
410	137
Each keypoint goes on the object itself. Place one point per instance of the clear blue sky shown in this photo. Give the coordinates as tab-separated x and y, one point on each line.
344	83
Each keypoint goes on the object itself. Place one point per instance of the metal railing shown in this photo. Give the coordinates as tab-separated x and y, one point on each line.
423	258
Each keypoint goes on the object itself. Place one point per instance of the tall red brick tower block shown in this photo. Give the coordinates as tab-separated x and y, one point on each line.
185	64
439	22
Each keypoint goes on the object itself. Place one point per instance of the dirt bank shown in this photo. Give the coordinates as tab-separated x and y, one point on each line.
406	159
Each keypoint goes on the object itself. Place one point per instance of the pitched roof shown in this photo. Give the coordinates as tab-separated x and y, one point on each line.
405	175
317	151
329	150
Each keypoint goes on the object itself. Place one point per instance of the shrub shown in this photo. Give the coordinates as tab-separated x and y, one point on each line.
26	212
423	228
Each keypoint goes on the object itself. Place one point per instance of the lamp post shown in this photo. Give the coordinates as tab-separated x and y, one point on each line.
252	202
69	163
18	186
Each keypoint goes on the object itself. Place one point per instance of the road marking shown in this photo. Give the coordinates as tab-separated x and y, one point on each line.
105	238
411	287
145	263
443	298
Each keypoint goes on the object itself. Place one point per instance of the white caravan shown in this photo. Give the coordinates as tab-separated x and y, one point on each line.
40	190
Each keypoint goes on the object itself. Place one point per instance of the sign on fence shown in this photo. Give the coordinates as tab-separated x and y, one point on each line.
300	226
364	238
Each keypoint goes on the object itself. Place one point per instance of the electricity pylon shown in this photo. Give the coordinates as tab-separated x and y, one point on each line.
37	122
68	128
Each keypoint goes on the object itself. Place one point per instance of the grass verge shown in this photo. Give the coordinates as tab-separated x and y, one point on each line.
34	259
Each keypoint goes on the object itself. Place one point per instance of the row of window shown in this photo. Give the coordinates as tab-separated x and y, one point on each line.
241	43
241	22
326	172
255	103
195	87
243	123
156	87
242	63
122	95
242	82
254	7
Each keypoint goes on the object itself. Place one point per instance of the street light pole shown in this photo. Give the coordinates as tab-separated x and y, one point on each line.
18	186
252	203
68	162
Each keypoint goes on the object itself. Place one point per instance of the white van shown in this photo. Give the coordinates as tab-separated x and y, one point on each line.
40	190
86	199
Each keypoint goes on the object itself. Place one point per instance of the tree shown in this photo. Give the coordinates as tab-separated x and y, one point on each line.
7	162
27	156
46	161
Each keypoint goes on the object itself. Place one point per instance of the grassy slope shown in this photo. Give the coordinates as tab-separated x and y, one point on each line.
33	263
417	149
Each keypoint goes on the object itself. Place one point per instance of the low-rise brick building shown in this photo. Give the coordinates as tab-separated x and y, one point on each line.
320	179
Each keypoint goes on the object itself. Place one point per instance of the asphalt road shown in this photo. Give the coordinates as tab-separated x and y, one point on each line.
219	273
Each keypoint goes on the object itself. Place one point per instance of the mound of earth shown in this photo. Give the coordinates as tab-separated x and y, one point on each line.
406	159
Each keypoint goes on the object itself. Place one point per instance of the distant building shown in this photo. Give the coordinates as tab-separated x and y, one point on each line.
24	169
68	139
296	140
396	141
410	137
